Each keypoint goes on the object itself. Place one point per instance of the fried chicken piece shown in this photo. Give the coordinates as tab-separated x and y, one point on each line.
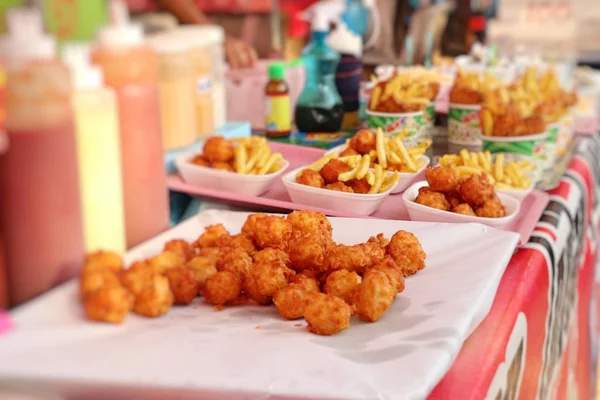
239	241
363	141
463	95
373	296
269	277
308	251
491	209
202	268
211	236
217	148
339	187
312	178
180	247
251	223
164	261
92	280
442	179
430	198
454	198
305	282
212	253
475	190
272	256
182	284
222	288
104	260
235	260
273	232
341	283
108	304
360	185
291	301
463	209
155	298
333	169
406	251
310	221
223	166
352	258
374	248
393	272
349	151
327	315
136	276
250	287
200	161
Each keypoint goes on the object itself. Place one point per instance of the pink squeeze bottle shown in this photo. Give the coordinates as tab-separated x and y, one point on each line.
130	67
40	210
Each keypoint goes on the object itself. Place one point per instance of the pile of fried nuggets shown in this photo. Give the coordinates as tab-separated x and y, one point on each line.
291	262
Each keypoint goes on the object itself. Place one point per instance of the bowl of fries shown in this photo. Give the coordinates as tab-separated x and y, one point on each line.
251	167
390	153
347	184
512	174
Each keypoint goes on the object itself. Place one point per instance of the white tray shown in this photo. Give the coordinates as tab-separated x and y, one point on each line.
248	352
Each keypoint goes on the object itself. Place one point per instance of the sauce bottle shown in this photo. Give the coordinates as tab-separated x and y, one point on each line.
40	208
99	153
277	108
130	67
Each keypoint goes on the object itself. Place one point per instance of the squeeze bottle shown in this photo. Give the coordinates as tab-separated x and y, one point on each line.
98	153
319	107
40	208
130	68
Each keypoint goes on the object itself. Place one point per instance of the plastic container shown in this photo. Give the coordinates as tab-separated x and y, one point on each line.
354	203
99	153
40	212
419	212
130	67
463	124
533	146
278	115
411	125
176	88
251	185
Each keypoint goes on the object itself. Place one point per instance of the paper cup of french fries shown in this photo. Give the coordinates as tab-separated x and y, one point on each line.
553	131
533	146
513	174
463	124
252	171
565	132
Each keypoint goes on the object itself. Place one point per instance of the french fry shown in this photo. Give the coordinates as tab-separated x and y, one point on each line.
241	158
380	148
346	176
370	177
363	167
499	167
406	158
375	96
379	176
389	181
264	156
320	163
273	158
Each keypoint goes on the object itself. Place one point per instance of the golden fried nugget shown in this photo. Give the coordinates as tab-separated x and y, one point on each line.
374	296
491	209
442	179
339	187
352	258
333	169
312	178
360	185
250	286
271	256
200	160
202	268
223	166
272	231
164	261
182	284
393	272
211	236
363	141
155	298
327	315
222	288
237	241
307	251
349	151
341	283
212	253
429	198
270	276
108	304
92	280
235	260
305	282
250	224
217	148
310	221
291	301
454	198
406	251
136	276
180	247
475	190
463	209
464	95
104	260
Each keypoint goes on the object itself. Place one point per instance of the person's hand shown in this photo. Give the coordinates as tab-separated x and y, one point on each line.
239	54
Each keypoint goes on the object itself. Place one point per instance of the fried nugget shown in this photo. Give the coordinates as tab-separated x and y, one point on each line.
349	151
442	179
429	198
305	282
393	272
200	161
217	148
211	236
307	251
463	209
180	247
475	190
406	251
92	280
239	241
310	221
202	268
327	315
104	260
272	256
339	187
212	253
223	166
333	169
183	284
108	304
251	223
341	283
235	260
222	288
269	277
373	296
352	258
272	231
360	185
491	209
312	178
363	141
291	301
136	276
155	298
164	261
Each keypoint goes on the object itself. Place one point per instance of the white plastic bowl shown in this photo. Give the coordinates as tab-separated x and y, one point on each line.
406	178
419	212
251	185
355	203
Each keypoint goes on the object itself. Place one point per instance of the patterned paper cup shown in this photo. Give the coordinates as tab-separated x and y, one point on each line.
531	145
429	115
463	124
393	124
565	133
553	131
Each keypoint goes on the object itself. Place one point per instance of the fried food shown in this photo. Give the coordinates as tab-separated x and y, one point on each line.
250	286
155	297
341	283
212	253
332	170
272	256
180	247
164	261
95	279
463	209
339	187
310	221
307	251
183	284
104	260
202	268
217	148
442	179
223	166
351	258
305	282
373	296
200	161
108	304
239	241
269	277
406	251
291	301
211	236
360	185
430	198
363	142
136	276
222	288
327	315
235	260
475	190
272	232
491	209
393	272
312	178
349	151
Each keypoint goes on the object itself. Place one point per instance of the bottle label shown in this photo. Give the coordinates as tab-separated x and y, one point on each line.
203	85
278	114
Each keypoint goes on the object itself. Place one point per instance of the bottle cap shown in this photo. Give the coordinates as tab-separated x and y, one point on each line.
121	32
84	74
276	71
25	39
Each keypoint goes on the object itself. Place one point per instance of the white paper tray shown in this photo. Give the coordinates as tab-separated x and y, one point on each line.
248	352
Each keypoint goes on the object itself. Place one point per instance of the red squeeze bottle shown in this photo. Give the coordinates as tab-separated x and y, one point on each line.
130	67
40	209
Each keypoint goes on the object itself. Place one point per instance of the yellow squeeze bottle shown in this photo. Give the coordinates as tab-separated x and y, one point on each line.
98	153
